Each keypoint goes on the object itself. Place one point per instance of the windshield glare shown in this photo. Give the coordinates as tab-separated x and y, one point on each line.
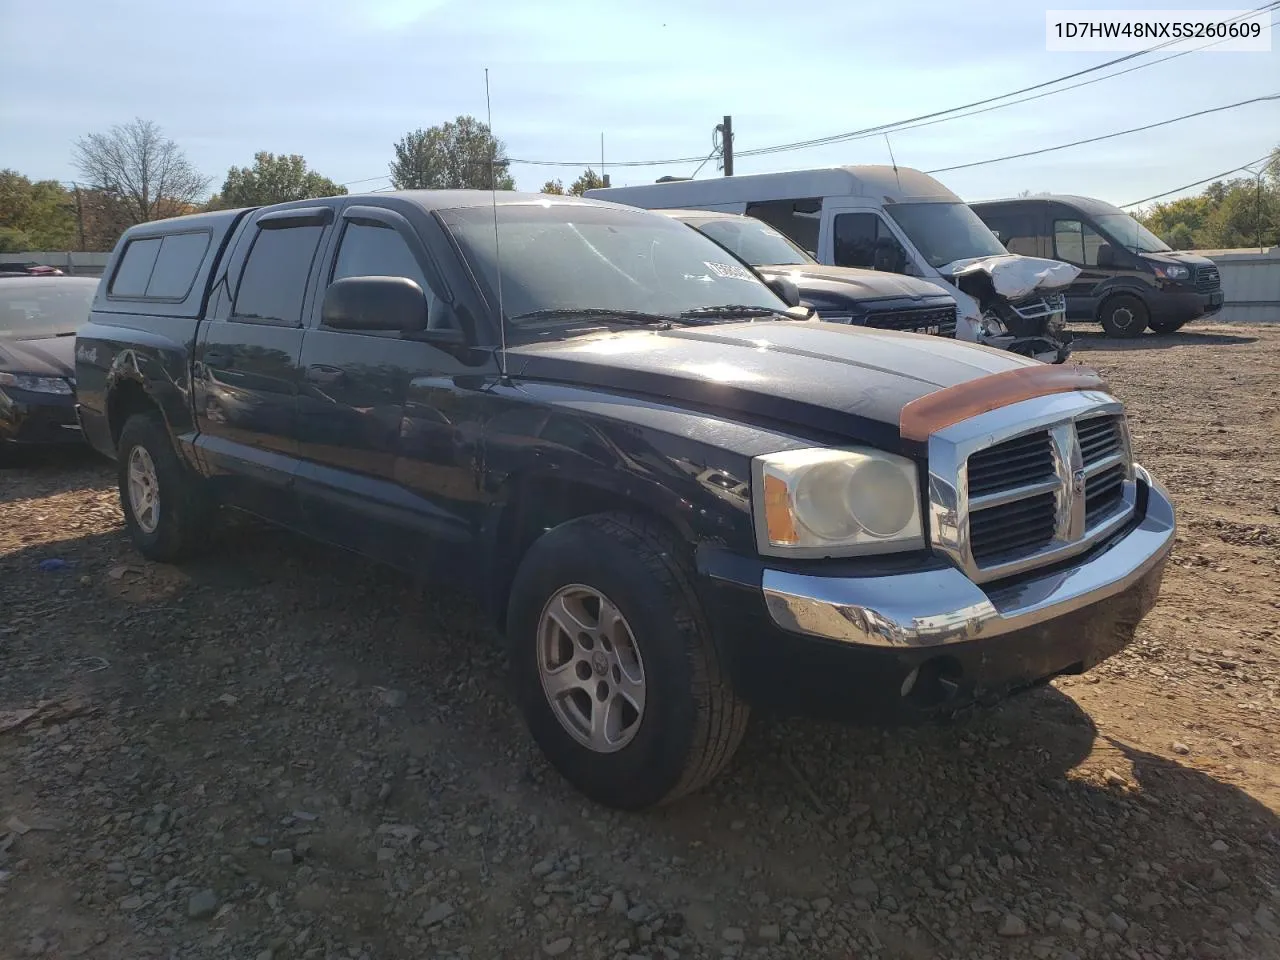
945	232
754	241
43	307
569	257
1122	229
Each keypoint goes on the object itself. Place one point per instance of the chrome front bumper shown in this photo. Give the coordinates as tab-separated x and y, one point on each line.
939	607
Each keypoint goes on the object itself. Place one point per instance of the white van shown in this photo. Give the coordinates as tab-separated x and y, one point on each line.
898	220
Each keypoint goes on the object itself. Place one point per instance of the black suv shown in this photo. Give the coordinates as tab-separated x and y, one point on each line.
1129	278
676	499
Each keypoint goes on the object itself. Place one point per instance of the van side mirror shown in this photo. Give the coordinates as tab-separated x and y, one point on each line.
375	304
785	288
1106	255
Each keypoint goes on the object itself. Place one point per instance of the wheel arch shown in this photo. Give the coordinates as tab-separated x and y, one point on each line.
540	503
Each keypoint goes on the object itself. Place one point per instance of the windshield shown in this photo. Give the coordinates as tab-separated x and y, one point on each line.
945	232
36	307
754	241
1129	233
560	257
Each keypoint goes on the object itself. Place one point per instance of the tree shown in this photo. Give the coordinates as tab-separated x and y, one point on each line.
588	180
273	179
147	171
553	186
455	155
36	216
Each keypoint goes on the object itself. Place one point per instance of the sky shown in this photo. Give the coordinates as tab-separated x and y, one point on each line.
339	83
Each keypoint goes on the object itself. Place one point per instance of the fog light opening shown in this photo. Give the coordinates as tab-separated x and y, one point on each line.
932	683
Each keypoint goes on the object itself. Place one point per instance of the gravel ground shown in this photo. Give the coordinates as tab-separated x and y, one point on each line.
283	752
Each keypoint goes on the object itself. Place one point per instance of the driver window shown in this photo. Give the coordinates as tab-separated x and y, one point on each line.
375	250
1076	242
864	240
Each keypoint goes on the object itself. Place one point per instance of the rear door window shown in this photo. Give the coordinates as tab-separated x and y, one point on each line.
273	283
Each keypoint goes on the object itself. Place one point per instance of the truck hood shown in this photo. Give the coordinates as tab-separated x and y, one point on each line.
45	357
863	284
1178	257
846	382
1013	276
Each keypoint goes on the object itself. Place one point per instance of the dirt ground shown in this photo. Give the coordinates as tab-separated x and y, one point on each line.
283	752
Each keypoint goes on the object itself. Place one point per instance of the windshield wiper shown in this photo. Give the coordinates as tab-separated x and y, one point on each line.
634	317
730	310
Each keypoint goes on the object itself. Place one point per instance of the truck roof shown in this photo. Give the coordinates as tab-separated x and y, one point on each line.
1088	205
883	183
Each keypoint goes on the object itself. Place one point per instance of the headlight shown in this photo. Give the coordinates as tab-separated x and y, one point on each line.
835	502
23	381
992	326
1171	271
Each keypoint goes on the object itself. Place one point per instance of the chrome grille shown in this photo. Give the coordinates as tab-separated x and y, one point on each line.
1012	507
1030	484
939	322
1208	279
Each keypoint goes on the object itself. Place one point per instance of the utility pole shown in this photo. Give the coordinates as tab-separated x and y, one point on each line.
726	144
79	215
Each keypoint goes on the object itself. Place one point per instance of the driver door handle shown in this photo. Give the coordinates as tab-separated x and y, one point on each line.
324	374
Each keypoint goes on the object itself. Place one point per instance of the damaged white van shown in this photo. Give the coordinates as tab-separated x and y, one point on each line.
898	220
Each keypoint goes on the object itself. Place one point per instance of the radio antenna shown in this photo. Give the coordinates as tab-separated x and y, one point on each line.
497	254
893	161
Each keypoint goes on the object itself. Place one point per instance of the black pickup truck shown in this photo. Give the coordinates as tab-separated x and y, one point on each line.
677	499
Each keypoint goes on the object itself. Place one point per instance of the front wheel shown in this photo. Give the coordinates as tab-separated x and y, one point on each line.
613	664
1123	315
167	512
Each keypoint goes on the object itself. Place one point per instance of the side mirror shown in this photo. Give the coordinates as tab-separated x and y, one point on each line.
785	288
1106	255
375	304
801	313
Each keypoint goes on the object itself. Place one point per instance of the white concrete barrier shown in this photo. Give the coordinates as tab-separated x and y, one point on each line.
1250	282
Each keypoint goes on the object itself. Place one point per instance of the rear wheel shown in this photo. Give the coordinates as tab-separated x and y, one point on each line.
1167	326
166	508
1123	315
614	666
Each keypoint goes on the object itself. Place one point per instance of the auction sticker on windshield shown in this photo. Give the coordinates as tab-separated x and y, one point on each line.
729	270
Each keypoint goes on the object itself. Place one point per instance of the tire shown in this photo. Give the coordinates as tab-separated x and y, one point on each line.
1167	326
692	721
183	513
1123	316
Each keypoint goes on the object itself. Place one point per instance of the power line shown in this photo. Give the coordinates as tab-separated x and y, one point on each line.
938	116
1105	136
760	151
1188	186
915	121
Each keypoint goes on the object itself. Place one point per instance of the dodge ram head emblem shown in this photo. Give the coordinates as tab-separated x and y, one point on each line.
1077	483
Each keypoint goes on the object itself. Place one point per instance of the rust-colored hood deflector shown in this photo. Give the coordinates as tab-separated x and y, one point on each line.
940	409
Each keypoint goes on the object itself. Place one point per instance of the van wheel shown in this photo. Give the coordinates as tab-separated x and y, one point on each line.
1167	326
167	511
613	664
1123	315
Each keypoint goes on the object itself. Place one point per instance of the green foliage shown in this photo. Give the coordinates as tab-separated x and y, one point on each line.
14	241
553	186
1228	214
588	180
35	216
452	156
272	179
